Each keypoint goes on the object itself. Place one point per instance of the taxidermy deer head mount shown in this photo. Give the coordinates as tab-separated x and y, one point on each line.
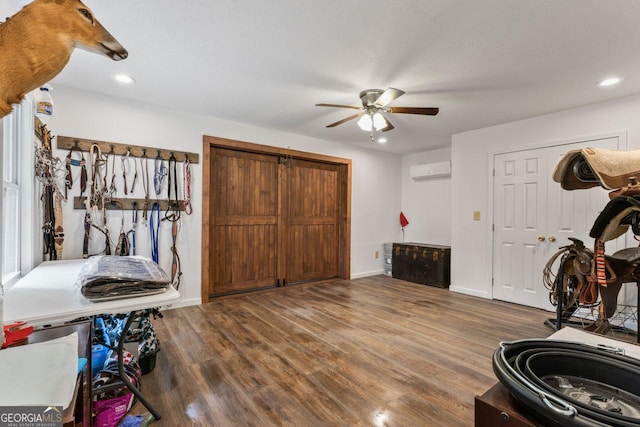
36	44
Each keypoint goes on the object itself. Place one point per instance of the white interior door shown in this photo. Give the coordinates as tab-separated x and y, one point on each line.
519	218
533	217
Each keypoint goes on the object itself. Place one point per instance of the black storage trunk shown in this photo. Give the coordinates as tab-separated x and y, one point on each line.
422	263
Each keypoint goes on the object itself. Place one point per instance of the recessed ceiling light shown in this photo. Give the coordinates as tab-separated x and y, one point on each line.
123	78
382	140
609	82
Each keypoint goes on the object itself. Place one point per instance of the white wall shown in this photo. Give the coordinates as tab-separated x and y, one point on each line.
471	181
375	176
6	10
427	203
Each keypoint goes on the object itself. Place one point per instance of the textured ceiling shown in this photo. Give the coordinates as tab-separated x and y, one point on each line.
267	63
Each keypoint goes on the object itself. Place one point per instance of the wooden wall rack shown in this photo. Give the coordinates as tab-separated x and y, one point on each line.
38	128
126	204
68	142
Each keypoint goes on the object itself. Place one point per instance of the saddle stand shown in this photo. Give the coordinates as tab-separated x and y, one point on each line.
583	274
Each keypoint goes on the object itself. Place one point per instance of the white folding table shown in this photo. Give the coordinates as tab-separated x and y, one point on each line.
48	296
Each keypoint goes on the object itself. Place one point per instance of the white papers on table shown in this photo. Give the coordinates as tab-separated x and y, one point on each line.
577	335
41	374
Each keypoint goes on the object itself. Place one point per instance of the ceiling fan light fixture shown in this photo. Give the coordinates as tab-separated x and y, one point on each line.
365	122
378	121
374	103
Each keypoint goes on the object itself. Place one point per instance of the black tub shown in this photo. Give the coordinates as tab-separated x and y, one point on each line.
571	384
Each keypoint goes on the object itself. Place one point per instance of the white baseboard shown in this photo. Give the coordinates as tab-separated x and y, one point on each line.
366	274
185	303
469	291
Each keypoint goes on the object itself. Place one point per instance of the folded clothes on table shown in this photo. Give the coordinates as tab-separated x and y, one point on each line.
113	277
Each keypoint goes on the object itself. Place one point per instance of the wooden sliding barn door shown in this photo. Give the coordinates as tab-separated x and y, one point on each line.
311	221
244	195
272	219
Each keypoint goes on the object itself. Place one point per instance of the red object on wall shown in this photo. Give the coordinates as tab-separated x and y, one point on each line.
403	220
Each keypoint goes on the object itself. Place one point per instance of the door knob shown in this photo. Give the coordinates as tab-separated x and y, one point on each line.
552	238
541	238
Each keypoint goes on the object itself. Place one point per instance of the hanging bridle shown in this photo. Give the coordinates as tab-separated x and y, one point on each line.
47	170
82	163
96	198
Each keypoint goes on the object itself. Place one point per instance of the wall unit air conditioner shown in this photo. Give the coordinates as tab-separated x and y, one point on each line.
430	170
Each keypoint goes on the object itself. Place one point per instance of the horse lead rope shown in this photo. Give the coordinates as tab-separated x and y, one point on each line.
145	185
172	214
87	233
186	186
126	167
176	269
154	228
135	176
134	225
112	188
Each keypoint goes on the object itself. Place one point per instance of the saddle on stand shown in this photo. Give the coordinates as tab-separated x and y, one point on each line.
579	285
592	167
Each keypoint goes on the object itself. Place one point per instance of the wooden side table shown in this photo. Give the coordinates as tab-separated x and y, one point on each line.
496	407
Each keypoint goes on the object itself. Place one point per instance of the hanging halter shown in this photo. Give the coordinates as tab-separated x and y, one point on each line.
107	238
126	167
173	210
159	173
91	215
97	194
122	248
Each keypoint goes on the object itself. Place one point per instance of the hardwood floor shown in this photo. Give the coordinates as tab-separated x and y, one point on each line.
368	352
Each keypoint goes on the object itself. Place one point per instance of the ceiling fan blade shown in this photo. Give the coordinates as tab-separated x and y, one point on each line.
388	125
344	120
388	96
426	111
339	106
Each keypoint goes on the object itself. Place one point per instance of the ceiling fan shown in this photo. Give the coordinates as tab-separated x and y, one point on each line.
374	104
